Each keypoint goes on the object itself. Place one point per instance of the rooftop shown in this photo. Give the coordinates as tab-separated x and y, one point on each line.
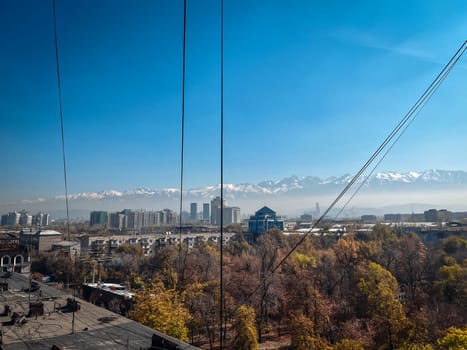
42	233
95	327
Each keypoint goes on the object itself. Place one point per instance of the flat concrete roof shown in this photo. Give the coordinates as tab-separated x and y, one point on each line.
95	327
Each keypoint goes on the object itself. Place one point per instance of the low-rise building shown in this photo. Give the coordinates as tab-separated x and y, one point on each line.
13	256
41	240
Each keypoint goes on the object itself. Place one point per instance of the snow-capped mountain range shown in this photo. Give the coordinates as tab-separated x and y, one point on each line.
292	194
290	184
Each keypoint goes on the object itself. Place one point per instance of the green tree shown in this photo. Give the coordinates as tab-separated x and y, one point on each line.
245	330
162	309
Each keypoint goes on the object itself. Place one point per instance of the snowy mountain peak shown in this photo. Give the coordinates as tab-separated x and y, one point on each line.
291	185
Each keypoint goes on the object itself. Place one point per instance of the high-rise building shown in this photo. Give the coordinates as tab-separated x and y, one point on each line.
193	211
117	220
41	219
134	219
216	211
98	218
11	219
25	219
168	217
4	220
151	218
205	211
231	215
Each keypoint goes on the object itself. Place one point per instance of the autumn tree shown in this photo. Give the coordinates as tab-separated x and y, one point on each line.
270	251
455	339
349	344
348	257
380	290
411	268
382	246
416	347
245	330
303	335
162	309
202	301
201	264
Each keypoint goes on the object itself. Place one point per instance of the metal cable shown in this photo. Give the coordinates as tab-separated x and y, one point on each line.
414	116
62	129
221	272
59	90
182	150
454	59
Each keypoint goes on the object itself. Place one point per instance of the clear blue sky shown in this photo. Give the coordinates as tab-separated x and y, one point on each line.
311	88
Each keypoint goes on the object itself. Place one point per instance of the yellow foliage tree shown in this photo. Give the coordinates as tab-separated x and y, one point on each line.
163	310
349	344
416	347
455	339
245	330
303	335
380	290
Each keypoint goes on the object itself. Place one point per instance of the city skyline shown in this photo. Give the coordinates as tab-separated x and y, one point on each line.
309	89
293	195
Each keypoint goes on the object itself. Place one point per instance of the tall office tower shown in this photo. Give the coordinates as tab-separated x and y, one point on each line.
117	220
231	215
135	219
193	211
216	211
13	218
167	217
236	215
41	219
205	211
151	218
4	220
25	219
98	218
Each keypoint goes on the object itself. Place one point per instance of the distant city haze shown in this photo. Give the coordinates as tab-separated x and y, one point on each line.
389	192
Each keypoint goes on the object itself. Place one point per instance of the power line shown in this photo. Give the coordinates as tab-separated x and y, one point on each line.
428	92
182	150
62	129
221	248
413	117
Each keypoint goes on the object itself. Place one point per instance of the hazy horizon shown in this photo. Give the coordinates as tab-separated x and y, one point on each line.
291	196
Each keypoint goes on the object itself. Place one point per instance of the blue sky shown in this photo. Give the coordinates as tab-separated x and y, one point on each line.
311	88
